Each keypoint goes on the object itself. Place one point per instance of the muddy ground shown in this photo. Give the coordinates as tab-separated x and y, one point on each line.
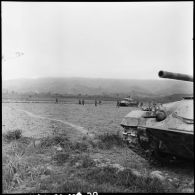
79	124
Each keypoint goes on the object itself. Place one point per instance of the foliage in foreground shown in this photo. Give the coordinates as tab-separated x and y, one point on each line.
78	172
109	140
12	135
126	180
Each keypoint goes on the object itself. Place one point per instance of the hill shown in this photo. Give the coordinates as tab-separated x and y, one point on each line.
98	86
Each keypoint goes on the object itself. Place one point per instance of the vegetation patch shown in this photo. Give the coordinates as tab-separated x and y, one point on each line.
72	185
109	140
78	185
82	161
13	173
63	142
18	169
12	135
55	140
78	173
126	180
80	146
61	157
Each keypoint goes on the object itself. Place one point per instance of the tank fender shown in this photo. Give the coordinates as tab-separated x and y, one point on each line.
134	119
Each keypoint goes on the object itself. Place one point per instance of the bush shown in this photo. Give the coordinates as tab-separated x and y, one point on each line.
60	158
13	135
102	175
107	141
79	146
84	161
55	140
87	162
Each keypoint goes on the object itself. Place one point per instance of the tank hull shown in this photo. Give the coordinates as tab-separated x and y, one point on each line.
174	143
128	104
173	135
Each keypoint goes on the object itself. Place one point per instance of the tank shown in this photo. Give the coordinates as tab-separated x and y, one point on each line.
166	131
128	102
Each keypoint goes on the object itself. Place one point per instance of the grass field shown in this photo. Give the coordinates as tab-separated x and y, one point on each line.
100	119
50	147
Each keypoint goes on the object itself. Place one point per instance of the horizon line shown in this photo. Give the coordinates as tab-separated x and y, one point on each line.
77	77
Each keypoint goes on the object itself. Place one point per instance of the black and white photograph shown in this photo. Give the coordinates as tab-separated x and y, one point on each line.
97	97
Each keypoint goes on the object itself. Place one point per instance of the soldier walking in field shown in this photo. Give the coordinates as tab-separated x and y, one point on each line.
79	101
56	100
95	102
83	102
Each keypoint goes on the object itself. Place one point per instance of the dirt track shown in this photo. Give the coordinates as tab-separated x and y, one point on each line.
78	128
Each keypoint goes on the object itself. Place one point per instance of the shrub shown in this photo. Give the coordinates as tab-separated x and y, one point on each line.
83	160
79	146
107	141
102	175
54	140
60	158
13	135
87	161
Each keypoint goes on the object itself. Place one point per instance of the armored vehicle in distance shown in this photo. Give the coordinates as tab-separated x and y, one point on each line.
128	102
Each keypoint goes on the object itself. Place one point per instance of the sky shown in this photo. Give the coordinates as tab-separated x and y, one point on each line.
122	40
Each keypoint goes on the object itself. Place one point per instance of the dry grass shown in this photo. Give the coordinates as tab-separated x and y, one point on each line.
80	172
61	157
82	161
107	141
57	164
126	180
79	185
54	140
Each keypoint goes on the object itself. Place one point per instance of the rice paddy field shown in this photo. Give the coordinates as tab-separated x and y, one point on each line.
67	147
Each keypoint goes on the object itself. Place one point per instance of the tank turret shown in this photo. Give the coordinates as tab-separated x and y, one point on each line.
176	76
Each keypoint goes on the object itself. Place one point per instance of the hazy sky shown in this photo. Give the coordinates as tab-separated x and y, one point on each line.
104	40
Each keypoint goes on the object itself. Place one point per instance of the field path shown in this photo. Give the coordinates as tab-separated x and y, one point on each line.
78	128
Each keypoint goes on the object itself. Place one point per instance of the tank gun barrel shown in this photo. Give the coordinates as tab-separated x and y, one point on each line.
176	76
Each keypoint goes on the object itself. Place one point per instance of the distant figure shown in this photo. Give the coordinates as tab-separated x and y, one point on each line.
79	101
160	106
154	108
141	104
157	107
149	106
83	102
100	101
56	100
117	103
95	102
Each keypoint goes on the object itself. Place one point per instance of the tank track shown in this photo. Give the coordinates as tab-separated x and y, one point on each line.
145	154
149	153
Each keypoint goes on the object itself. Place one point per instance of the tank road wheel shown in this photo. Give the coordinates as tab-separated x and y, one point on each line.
159	155
143	140
163	158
